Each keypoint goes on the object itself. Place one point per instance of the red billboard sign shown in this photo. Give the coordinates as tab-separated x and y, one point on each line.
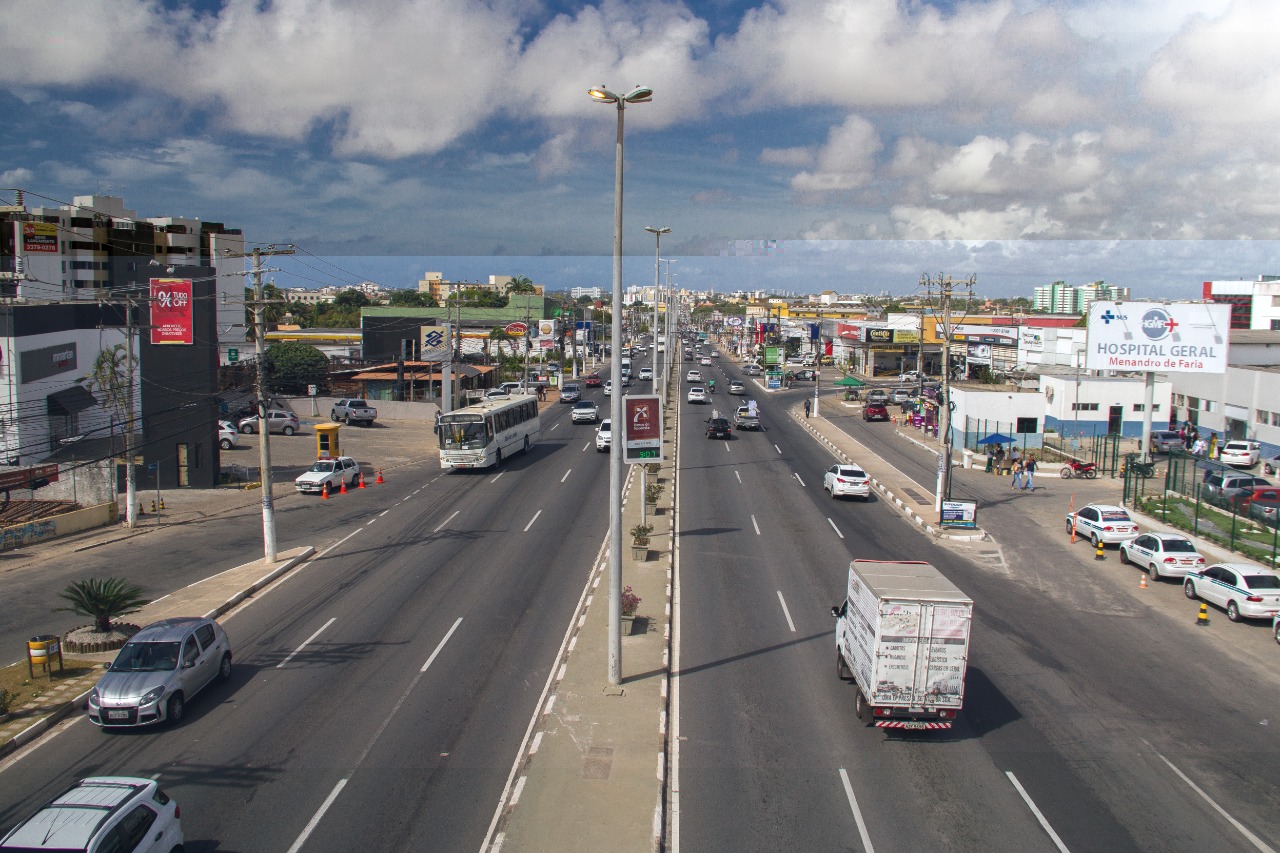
641	428
516	329
171	311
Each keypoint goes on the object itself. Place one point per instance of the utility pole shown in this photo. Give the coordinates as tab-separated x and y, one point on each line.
946	291
130	475
264	431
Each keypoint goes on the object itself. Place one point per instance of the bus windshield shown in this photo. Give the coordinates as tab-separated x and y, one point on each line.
466	432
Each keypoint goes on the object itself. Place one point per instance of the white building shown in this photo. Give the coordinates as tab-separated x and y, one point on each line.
1077	404
589	292
982	410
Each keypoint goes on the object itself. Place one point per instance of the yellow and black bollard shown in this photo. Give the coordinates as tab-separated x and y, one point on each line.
1202	619
1099	554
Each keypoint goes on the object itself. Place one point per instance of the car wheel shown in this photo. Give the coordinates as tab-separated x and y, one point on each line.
1097	543
225	444
1277	632
333	416
246	429
1070	527
173	711
1189	590
1124	558
1233	611
1154	571
224	668
288	430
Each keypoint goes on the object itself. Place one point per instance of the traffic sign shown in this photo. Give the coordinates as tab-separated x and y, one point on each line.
233	355
641	428
516	329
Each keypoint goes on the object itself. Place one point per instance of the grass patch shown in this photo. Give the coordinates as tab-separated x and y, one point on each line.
18	688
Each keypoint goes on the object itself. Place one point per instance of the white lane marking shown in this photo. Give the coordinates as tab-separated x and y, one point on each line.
1253	839
440	645
444	523
857	812
371	521
739	476
798	478
384	512
566	475
326	551
495	479
315	819
786	612
1035	811
306	642
836	529
554	428
726	447
585	446
756	526
532	520
777	448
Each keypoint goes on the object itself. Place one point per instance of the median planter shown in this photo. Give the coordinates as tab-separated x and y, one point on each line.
640	542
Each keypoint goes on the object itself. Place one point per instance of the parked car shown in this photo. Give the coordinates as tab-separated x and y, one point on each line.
877	395
1164	440
604	436
693	376
1163	555
1102	524
354	411
571	392
1240	454
158	671
719	428
752	369
909	377
1228	485
103	813
228	435
593	380
875	412
901	395
1244	590
1261	494
841	480
646	374
285	423
585	412
328	472
737	388
698	394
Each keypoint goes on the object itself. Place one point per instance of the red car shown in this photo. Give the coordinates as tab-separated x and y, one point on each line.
593	380
875	412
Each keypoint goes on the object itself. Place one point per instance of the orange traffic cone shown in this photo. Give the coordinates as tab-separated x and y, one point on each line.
343	489
324	491
1142	584
361	480
379	480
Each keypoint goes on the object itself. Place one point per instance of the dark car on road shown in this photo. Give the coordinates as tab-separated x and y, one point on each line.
875	412
718	428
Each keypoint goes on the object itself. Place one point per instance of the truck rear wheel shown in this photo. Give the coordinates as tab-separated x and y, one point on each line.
861	708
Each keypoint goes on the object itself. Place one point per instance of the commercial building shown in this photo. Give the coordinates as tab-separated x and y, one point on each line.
1063	298
1254	304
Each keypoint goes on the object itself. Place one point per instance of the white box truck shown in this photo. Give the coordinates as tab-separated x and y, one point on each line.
903	634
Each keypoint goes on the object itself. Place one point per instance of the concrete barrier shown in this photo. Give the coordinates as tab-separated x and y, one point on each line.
45	529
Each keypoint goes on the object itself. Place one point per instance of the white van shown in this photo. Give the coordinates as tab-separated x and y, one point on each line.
626	368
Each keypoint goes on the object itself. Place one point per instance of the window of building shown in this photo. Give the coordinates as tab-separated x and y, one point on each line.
1025	425
1275	325
1275	301
1084	407
1179	399
1208	406
1193	402
1275	418
1261	416
1138	407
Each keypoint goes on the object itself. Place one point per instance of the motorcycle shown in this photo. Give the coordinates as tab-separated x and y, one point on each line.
1137	466
1082	470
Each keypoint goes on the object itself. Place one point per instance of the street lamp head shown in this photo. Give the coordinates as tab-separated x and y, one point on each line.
603	95
639	95
653	230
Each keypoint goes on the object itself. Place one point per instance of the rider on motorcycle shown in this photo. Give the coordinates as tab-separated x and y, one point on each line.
711	385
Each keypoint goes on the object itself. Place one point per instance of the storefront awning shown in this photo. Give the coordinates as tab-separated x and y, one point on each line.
70	401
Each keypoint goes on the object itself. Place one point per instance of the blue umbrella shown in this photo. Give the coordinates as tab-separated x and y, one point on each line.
996	438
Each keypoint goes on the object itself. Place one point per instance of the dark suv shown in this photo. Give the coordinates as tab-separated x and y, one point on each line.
875	412
718	428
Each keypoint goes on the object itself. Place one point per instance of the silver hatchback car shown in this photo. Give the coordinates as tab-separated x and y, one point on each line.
158	671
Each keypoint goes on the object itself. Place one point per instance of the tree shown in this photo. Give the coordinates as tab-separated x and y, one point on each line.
412	298
292	366
520	284
102	599
272	312
351	298
112	381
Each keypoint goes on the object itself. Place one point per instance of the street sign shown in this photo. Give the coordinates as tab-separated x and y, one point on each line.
734	321
233	355
960	514
313	390
641	428
516	329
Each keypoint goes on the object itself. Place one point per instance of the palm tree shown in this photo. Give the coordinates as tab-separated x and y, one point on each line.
520	284
102	599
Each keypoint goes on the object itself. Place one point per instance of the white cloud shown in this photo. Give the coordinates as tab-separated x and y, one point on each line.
799	156
846	162
17	177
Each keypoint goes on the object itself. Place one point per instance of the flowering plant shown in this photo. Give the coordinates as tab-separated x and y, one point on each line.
640	534
630	601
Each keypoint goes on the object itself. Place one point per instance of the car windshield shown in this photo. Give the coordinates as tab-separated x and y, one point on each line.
604	427
1262	581
1179	546
146	657
322	468
1115	516
463	434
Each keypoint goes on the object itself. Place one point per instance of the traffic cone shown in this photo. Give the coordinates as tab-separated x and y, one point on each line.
1202	619
1142	584
343	489
153	506
162	503
1099	554
361	480
324	491
379	480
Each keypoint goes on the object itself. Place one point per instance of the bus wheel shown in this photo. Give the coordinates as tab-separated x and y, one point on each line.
499	455
526	444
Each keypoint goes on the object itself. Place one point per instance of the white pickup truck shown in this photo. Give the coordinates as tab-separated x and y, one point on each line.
903	634
353	411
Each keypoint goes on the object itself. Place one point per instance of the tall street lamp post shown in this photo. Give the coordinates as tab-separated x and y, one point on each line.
638	95
657	282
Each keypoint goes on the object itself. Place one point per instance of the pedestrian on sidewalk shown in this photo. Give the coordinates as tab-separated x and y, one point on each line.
1029	470
807	408
1017	475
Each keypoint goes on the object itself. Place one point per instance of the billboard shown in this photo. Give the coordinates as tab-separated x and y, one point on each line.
1184	337
39	237
641	428
171	311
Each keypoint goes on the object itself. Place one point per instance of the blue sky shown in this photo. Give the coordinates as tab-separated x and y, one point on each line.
872	141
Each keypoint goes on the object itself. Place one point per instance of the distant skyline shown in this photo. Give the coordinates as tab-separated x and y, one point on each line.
803	145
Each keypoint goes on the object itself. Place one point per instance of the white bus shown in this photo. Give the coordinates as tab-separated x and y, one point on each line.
485	433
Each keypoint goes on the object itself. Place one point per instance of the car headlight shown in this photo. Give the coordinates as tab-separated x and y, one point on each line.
152	696
94	699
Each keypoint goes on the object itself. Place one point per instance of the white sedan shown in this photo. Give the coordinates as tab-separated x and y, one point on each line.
843	480
1240	454
646	374
697	394
1245	590
1102	524
607	387
1163	555
693	376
